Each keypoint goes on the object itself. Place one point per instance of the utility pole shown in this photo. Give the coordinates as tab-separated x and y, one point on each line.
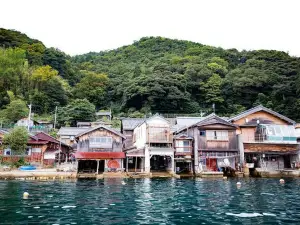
29	117
59	150
55	117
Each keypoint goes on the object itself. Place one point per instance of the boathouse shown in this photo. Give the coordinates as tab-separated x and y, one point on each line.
269	139
99	149
152	147
211	144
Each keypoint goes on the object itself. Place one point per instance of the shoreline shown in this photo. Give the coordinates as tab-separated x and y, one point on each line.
55	175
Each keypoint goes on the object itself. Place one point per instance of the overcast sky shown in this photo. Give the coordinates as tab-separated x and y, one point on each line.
81	26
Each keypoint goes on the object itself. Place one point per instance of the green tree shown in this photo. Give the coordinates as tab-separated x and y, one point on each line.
43	73
212	90
16	140
16	110
12	70
77	110
92	87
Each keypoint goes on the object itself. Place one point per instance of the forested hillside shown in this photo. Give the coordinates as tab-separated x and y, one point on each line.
152	75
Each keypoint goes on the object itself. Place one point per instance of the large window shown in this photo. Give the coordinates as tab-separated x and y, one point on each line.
100	142
217	135
183	146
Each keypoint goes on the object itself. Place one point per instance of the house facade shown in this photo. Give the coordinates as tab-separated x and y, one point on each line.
211	145
42	150
269	139
152	147
45	150
100	149
67	134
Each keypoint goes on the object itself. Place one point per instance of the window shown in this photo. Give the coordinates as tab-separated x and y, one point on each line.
183	146
100	142
217	135
202	132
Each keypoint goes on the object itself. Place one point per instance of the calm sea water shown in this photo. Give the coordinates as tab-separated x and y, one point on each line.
151	201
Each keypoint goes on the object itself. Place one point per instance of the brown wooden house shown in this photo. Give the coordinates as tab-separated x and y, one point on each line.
269	139
44	149
214	144
100	149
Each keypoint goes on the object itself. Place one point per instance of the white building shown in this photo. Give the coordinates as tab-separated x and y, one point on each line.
25	122
152	149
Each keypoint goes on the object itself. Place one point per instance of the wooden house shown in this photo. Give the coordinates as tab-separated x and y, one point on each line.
127	128
100	149
67	134
211	144
42	150
269	139
183	153
152	147
45	150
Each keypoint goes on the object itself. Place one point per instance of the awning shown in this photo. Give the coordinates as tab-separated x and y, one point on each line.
100	155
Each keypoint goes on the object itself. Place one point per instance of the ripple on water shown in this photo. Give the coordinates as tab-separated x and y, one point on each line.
151	201
244	214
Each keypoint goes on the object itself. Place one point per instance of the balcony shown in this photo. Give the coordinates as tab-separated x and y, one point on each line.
274	134
159	135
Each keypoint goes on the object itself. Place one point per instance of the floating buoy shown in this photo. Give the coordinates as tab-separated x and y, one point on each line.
282	181
224	178
25	195
238	184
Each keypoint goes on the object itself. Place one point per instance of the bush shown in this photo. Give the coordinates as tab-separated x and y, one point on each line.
20	162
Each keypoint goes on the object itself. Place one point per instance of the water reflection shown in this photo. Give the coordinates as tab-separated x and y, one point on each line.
151	201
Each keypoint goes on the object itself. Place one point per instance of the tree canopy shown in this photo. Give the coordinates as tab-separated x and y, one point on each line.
154	74
16	140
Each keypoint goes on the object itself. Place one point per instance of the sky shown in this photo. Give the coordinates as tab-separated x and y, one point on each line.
81	26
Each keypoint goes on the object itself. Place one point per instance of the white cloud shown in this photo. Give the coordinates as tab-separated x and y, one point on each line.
80	26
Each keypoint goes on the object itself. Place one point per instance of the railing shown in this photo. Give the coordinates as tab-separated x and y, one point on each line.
260	138
159	134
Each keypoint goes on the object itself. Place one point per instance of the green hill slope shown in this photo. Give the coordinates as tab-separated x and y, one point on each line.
165	75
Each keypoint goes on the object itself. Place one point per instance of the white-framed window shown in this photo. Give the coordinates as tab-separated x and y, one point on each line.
183	146
217	135
100	142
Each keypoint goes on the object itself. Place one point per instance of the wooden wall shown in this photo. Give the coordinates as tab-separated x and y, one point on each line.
129	138
248	133
264	116
83	142
219	145
257	147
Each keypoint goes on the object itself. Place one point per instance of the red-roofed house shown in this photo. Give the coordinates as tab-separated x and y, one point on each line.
44	149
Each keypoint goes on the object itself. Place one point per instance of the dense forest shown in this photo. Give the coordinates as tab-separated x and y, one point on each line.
152	75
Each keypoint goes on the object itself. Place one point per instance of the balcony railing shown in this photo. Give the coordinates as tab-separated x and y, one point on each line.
159	135
260	138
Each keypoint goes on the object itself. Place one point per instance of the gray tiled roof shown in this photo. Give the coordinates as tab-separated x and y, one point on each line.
71	131
187	121
131	123
210	119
